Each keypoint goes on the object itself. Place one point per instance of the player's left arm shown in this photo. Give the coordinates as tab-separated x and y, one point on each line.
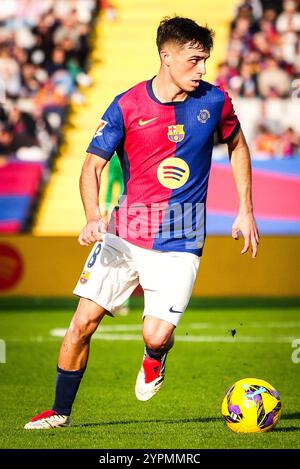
241	168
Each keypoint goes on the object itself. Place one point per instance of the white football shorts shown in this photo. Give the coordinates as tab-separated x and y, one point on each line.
115	267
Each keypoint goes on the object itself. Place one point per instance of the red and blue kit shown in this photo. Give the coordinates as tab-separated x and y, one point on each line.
165	151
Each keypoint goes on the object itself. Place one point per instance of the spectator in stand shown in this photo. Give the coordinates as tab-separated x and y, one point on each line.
257	9
267	27
260	43
288	25
244	11
22	144
225	75
248	84
6	141
21	122
268	145
56	62
270	15
274	4
273	82
288	144
289	19
43	52
265	144
19	137
9	72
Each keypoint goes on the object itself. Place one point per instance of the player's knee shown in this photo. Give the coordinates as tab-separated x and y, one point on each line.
81	329
154	344
159	342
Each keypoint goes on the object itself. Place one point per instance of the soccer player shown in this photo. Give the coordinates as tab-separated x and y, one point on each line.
163	132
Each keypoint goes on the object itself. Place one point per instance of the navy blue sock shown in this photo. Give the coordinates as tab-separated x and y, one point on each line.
152	354
67	384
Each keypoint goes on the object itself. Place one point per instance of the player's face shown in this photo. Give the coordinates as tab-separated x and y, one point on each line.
186	65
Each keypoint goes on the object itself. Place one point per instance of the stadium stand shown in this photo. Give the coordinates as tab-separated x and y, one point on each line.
261	71
44	48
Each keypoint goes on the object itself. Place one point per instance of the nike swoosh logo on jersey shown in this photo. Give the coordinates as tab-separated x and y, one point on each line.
174	311
141	122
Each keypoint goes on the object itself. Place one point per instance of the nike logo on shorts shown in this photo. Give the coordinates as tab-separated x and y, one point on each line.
174	311
141	122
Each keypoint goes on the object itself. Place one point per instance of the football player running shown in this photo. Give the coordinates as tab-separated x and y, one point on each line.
163	132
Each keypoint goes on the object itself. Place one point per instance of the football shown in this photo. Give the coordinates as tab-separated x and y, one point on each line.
251	405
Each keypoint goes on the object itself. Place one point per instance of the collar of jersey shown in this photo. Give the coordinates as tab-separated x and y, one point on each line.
154	98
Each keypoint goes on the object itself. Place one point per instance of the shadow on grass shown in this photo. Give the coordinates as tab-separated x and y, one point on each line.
293	416
166	421
287	429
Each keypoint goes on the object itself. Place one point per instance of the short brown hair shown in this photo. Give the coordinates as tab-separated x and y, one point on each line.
183	30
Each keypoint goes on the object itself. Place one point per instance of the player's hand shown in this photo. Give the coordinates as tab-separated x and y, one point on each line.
246	224
92	232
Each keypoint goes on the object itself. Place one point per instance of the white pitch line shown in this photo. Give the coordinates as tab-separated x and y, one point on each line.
194	325
283	324
185	338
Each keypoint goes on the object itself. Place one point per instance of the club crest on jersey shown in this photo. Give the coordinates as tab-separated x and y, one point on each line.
84	276
203	116
176	133
100	127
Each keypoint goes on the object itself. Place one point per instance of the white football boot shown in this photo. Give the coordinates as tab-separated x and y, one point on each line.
47	420
150	378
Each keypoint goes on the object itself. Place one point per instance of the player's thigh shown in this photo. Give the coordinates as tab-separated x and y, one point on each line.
87	316
168	279
108	277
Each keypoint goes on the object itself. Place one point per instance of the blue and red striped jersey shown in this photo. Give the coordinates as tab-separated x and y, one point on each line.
165	151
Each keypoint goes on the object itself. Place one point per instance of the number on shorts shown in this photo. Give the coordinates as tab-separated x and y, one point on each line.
93	257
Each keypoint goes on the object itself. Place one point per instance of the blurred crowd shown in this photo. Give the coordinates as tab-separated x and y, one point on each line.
263	61
44	46
44	49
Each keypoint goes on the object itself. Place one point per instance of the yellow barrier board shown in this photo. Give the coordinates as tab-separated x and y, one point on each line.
51	266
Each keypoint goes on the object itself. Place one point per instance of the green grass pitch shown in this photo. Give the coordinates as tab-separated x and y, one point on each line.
217	344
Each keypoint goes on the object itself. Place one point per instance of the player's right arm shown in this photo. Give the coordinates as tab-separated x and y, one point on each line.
106	139
89	190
